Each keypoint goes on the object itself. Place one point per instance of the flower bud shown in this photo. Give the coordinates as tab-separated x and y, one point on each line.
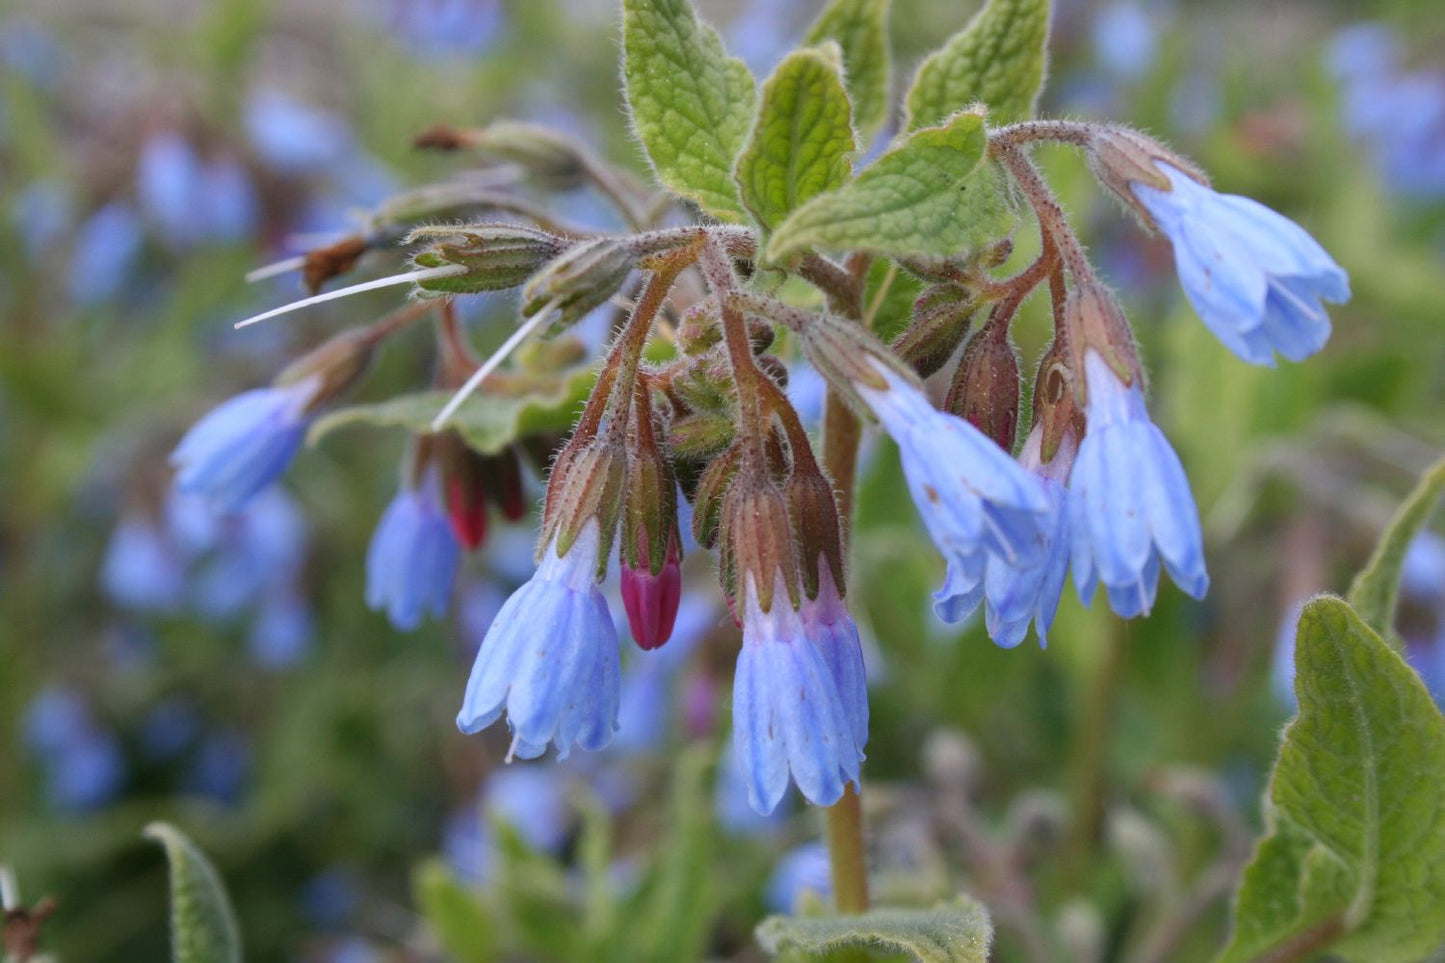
586	483
1093	319
337	362
986	386
1120	156
472	481
941	316
649	507
699	329
758	540
814	514
701	435
580	279
496	256
710	494
548	154
652	598
1056	408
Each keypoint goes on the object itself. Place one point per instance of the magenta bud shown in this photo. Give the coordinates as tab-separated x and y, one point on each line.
651	600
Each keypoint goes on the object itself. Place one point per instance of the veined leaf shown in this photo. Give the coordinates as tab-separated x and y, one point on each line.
1354	861
203	926
932	194
998	60
802	144
488	422
860	28
956	932
1376	588
692	105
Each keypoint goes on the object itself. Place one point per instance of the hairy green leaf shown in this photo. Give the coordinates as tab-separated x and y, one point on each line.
860	28
803	143
1375	589
203	926
955	932
998	60
488	422
1354	860
692	104
931	194
456	916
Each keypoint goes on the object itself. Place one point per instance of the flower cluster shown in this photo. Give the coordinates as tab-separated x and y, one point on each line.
699	410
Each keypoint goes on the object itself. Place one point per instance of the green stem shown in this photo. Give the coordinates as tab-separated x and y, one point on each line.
1092	754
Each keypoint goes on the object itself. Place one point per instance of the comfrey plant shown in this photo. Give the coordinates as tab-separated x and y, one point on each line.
763	196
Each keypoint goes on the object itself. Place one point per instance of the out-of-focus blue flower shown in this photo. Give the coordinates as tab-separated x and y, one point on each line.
107	249
1363	51
1256	278
295	138
1016	595
229	202
168	185
644	705
244	444
413	555
446	27
83	765
974	499
788	715
550	659
254	551
329	899
221	768
169	728
141	570
531	800
40	215
1125	39
803	869
761	34
283	632
1129	502
352	949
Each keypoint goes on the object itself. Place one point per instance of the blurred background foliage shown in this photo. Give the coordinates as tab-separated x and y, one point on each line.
225	675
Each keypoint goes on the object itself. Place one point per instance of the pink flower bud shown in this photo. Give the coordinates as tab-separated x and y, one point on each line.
651	600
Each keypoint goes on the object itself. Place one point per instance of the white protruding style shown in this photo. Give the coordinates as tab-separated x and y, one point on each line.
490	365
411	277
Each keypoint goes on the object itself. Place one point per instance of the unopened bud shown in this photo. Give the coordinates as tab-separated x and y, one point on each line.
986	386
578	280
496	256
701	435
709	495
1121	157
586	483
473	481
759	540
814	514
652	598
337	362
941	316
1094	321
699	329
1056	407
548	154
649	508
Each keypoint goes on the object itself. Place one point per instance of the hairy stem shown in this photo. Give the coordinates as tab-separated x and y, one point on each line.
1050	213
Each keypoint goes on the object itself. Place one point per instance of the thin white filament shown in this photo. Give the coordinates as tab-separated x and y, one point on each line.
490	365
280	267
409	277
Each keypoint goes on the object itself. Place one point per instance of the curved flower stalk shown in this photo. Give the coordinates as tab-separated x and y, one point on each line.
412	560
1256	278
1129	502
550	659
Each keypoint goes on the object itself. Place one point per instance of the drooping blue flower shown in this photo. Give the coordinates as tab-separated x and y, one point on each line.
550	659
106	250
83	765
1129	503
141	571
802	870
295	138
282	633
974	499
788	715
413	555
168	185
244	444
1256	278
833	631
249	555
1016	595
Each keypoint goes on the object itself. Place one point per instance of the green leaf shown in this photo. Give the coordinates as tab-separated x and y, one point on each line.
860	28
456	916
691	103
1354	860
488	422
956	932
1375	589
932	194
803	142
203	926
999	60
674	917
